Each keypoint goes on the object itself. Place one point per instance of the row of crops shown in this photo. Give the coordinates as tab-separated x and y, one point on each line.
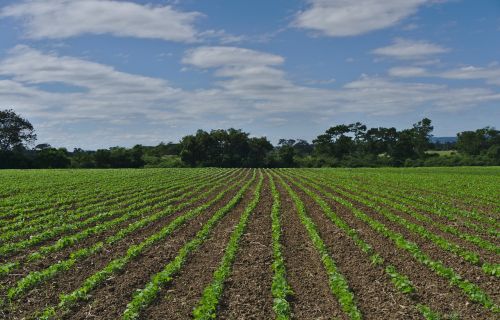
250	243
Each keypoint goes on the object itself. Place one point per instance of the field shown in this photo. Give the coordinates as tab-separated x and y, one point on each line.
250	244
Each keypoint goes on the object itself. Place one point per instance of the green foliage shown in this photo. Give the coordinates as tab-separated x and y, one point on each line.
15	131
401	282
342	145
280	288
148	294
471	290
36	277
170	161
338	284
207	306
224	148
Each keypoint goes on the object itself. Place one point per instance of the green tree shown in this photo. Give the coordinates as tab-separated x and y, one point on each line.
476	142
470	142
403	147
15	131
259	149
53	158
421	136
286	152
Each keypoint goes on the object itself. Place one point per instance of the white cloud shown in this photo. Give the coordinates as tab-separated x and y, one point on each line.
337	18
491	75
254	78
377	95
410	49
58	19
209	57
250	86
105	93
407	72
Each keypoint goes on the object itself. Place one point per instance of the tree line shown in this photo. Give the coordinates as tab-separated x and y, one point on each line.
344	145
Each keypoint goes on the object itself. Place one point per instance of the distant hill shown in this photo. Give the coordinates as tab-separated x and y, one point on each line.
443	139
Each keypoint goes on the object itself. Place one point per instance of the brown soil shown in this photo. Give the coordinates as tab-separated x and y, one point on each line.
306	275
48	293
433	290
467	270
110	201
247	292
110	300
24	254
27	267
63	254
375	295
458	223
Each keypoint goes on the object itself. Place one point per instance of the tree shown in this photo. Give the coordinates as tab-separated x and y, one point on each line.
303	148
380	140
202	149
475	142
42	146
421	136
259	148
52	158
469	142
286	152
15	131
337	143
82	159
403	148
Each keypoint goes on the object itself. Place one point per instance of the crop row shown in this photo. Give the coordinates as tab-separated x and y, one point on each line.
467	255
474	293
431	201
400	281
141	210
66	194
123	213
133	252
338	284
63	222
280	288
94	200
35	278
149	293
207	306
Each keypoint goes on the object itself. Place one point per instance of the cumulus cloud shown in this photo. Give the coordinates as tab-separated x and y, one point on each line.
337	18
58	19
407	72
491	75
250	86
209	57
103	93
410	49
378	95
255	77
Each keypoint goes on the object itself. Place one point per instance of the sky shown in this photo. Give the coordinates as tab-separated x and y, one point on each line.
101	73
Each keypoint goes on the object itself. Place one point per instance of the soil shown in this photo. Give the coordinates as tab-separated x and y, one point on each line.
247	291
375	295
312	298
47	294
119	290
434	291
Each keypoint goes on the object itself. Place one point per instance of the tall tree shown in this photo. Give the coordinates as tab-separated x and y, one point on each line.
15	131
421	136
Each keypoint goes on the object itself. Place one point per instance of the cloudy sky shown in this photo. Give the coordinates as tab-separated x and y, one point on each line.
100	73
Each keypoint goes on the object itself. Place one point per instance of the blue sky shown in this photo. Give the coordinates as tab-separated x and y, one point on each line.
100	73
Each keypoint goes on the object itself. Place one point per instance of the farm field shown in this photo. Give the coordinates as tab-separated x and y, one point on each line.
250	244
